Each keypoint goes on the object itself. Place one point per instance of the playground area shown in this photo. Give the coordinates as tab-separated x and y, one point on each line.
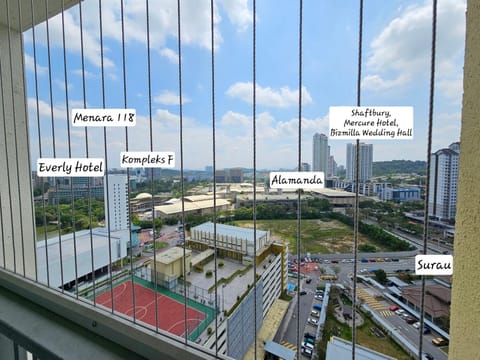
139	300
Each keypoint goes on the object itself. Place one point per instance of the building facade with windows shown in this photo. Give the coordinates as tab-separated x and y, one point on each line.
366	162
320	153
443	182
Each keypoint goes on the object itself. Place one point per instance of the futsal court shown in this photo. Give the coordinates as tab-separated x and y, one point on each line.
170	315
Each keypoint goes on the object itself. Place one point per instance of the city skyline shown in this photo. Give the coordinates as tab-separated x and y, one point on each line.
395	73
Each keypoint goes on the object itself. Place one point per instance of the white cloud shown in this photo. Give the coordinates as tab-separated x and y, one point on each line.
282	98
45	110
376	82
234	119
80	72
452	89
238	13
171	55
402	50
30	65
170	98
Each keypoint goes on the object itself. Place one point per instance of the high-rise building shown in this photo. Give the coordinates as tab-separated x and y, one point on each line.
443	182
365	162
332	166
116	205
320	153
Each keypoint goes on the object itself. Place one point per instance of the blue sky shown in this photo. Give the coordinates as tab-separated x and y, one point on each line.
395	71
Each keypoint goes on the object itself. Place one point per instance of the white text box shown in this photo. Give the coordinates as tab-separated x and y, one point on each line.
433	265
297	180
154	159
371	122
75	167
104	117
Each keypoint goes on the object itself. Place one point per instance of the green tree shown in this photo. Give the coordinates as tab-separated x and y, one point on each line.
380	276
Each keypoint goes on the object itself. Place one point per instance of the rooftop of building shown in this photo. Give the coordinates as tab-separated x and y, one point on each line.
176	207
231	231
340	349
172	254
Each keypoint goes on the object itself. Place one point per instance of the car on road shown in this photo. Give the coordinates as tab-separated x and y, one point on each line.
427	356
303	292
313	321
315	313
309	340
426	330
307	345
440	341
308	281
393	308
307	352
410	320
416	325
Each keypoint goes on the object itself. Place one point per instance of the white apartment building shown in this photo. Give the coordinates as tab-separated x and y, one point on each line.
366	161
443	182
116	204
320	153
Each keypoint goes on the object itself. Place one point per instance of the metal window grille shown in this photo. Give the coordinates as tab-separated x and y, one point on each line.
56	60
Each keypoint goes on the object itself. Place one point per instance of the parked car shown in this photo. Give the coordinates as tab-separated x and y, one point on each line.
308	281
440	341
315	313
396	260
307	345
307	352
364	260
393	308
334	261
309	335
309	340
317	307
416	325
410	320
399	311
318	297
426	330
303	292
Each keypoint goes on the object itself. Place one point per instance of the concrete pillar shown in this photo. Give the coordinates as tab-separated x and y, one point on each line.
465	309
17	235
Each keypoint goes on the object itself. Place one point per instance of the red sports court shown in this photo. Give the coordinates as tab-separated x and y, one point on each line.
170	313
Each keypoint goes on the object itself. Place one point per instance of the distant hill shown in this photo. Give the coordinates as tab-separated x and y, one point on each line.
399	167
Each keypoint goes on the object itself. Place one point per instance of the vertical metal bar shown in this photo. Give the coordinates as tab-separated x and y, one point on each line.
84	93
124	72
106	157
357	173
4	172
151	149
299	202
67	109
5	134
28	147
254	210
40	153
212	33
182	183
54	142
429	152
